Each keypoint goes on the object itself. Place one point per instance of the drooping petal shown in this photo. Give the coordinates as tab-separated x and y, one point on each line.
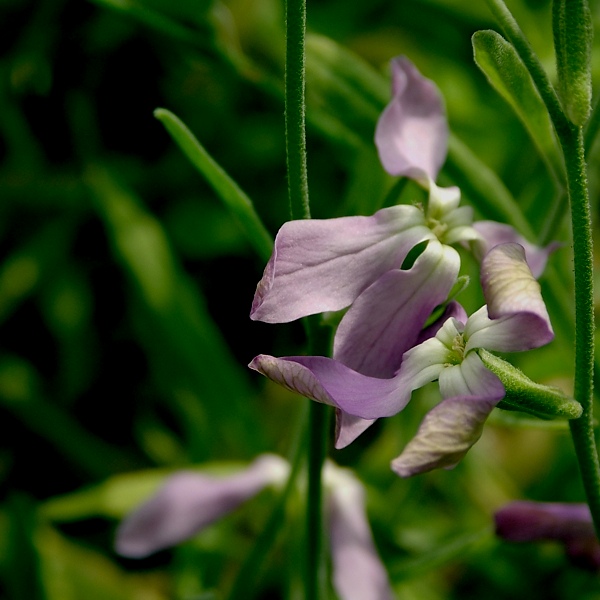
348	428
323	265
571	524
446	434
412	132
189	501
516	317
493	233
358	572
450	429
387	318
330	382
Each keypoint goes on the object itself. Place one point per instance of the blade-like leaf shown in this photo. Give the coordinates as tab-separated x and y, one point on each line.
507	74
236	201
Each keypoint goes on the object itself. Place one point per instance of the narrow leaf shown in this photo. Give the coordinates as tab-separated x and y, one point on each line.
236	201
508	75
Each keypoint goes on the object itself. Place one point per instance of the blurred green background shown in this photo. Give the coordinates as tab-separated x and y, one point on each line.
125	288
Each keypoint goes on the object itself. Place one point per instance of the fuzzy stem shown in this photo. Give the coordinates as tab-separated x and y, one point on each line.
295	14
295	11
582	429
515	36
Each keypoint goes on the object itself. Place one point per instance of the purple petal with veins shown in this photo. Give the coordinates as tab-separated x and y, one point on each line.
323	265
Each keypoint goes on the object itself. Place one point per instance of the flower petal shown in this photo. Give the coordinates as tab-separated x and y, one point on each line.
453	310
450	429
470	378
387	318
348	428
446	434
330	382
322	265
516	317
493	233
412	132
358	572
189	501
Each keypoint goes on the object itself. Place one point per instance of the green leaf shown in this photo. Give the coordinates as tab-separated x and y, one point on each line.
236	201
508	75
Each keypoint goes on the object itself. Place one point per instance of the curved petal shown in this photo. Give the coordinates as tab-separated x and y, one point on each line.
189	501
450	429
322	265
516	317
412	132
358	572
348	428
330	382
446	434
386	319
493	233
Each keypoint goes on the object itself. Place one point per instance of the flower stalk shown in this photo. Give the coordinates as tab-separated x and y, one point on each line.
295	129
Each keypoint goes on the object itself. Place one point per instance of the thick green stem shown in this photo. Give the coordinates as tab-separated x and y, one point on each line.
582	430
295	136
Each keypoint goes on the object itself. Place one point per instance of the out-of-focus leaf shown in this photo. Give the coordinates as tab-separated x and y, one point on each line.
33	261
236	201
176	316
21	566
21	394
485	190
71	571
119	494
500	63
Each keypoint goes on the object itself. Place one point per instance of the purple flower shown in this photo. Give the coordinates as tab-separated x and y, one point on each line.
570	524
189	501
412	132
514	319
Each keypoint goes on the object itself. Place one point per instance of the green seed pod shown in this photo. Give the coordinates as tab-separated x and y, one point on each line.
573	33
527	396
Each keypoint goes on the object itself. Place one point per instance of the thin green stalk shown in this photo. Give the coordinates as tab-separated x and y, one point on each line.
314	581
295	136
582	429
513	34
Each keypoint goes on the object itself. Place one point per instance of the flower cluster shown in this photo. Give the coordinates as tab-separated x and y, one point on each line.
383	349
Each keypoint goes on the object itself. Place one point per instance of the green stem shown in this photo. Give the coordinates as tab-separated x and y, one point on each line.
295	136
314	579
515	36
582	429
